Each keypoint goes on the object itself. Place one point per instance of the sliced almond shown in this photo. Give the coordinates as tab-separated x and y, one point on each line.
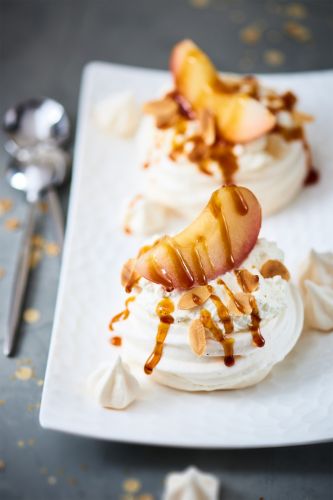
129	277
248	282
207	126
240	304
273	268
301	118
164	110
197	337
194	297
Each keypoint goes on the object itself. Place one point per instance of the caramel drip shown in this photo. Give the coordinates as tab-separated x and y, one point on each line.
132	282
216	209
289	133
180	264
258	339
123	314
232	297
159	275
163	310
197	265
227	343
239	202
222	153
116	341
223	314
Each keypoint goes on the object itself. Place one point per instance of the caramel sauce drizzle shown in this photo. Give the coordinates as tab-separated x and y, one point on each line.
216	209
163	310
209	323
122	315
116	341
257	337
182	267
232	297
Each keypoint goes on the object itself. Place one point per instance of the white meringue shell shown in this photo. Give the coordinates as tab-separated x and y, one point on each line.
113	386
191	484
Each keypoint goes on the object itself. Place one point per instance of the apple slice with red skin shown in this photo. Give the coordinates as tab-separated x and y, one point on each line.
239	118
217	241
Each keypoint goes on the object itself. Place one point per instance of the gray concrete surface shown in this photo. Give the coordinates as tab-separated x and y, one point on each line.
44	45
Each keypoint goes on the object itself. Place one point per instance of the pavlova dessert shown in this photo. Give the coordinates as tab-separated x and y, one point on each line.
208	130
211	307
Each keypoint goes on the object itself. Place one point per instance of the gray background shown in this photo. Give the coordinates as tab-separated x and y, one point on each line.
44	46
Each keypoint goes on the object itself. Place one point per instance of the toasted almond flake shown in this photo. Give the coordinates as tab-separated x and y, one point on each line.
52	249
197	337
301	118
31	315
131	485
273	268
2	272
165	111
12	224
249	281
24	373
241	305
6	205
2	464
194	297
20	443
207	126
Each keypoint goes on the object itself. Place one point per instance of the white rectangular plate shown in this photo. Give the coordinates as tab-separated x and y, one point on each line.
292	406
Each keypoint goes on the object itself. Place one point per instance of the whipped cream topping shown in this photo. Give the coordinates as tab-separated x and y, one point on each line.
113	387
317	289
280	310
118	114
191	484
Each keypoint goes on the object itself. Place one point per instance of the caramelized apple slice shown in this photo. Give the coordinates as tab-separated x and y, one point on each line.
216	242
240	118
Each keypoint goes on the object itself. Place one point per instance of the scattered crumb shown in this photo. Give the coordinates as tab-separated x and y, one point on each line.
40	382
146	496
52	480
33	406
12	224
43	207
31	442
37	241
6	205
43	471
297	10
35	258
20	443
31	315
200	4
250	34
274	57
24	373
2	272
237	16
52	249
72	481
2	402
2	464
298	32
131	485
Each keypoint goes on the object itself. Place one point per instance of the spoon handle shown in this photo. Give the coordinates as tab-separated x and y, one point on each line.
57	214
20	281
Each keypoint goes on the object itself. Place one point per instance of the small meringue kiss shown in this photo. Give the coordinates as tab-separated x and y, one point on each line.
113	387
192	484
317	289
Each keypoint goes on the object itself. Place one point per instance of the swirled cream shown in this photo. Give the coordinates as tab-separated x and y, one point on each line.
241	346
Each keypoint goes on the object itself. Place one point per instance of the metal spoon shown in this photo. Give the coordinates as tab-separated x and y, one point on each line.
34	179
36	128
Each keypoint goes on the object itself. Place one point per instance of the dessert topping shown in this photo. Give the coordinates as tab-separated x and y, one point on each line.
273	268
197	337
